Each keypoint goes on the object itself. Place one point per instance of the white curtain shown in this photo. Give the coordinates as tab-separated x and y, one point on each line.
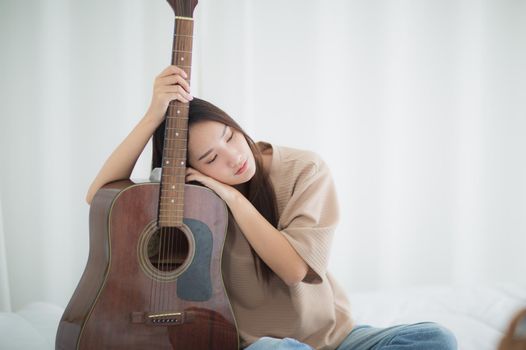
5	300
417	107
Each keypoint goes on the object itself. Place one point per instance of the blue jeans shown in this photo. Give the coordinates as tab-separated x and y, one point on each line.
418	336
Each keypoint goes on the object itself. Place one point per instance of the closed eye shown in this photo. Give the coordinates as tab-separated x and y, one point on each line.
230	138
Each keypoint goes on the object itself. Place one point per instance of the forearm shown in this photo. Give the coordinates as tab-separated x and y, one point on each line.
270	244
120	163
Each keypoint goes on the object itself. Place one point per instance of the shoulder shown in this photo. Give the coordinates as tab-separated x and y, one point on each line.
291	166
300	161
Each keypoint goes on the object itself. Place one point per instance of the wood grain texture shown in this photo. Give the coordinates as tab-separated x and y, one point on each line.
113	286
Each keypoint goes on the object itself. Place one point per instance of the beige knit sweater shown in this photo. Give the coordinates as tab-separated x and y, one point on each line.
315	311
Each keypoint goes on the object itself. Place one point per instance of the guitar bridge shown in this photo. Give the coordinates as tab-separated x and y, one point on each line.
160	319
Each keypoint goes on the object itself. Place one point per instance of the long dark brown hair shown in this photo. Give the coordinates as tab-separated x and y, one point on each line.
260	190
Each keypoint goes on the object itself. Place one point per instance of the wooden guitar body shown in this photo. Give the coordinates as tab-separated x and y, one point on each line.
132	296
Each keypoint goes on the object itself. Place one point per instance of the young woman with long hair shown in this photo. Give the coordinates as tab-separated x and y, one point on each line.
283	212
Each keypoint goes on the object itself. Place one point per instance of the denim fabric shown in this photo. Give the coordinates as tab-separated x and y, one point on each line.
418	336
268	343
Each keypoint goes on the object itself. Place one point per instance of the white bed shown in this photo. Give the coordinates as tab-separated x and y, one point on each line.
477	315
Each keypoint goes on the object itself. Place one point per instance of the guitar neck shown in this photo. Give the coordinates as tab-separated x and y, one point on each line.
171	201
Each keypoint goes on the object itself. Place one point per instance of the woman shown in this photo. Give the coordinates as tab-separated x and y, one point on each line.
283	213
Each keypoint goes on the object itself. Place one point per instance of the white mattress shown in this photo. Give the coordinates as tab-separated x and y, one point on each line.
32	327
477	315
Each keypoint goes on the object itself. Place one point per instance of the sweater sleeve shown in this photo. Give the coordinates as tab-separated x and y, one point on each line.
310	217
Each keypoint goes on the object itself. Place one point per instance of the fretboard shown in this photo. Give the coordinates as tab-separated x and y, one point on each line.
171	200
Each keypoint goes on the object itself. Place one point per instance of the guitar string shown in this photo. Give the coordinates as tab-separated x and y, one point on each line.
178	230
165	254
164	262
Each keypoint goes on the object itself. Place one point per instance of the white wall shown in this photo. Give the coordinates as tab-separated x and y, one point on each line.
416	106
5	298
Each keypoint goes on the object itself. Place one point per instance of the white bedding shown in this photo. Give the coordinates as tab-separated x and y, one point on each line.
33	327
477	315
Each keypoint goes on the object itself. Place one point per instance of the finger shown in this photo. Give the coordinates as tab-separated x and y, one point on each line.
173	80
177	96
172	70
176	89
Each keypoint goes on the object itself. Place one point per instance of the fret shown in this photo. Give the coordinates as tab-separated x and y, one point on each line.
183	129
178	118
175	146
171	138
175	124
179	103
177	138
170	149
183	36
177	143
177	168
173	163
182	140
173	158
176	128
170	169
181	66
183	51
175	175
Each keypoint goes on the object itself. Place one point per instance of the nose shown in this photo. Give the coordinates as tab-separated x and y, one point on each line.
235	160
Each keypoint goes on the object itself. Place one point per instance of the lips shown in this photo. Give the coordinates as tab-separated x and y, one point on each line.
242	168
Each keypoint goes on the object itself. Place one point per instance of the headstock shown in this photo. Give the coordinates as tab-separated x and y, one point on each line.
183	8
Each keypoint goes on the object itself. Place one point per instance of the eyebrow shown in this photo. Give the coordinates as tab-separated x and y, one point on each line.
211	149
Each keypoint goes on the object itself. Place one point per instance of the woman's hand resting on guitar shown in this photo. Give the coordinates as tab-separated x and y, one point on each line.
169	85
226	192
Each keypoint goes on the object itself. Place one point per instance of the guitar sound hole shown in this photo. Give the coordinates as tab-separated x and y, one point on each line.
168	249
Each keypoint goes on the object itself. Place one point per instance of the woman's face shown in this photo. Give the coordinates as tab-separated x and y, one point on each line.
221	152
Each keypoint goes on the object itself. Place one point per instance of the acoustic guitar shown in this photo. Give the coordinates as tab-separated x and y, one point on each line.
153	278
